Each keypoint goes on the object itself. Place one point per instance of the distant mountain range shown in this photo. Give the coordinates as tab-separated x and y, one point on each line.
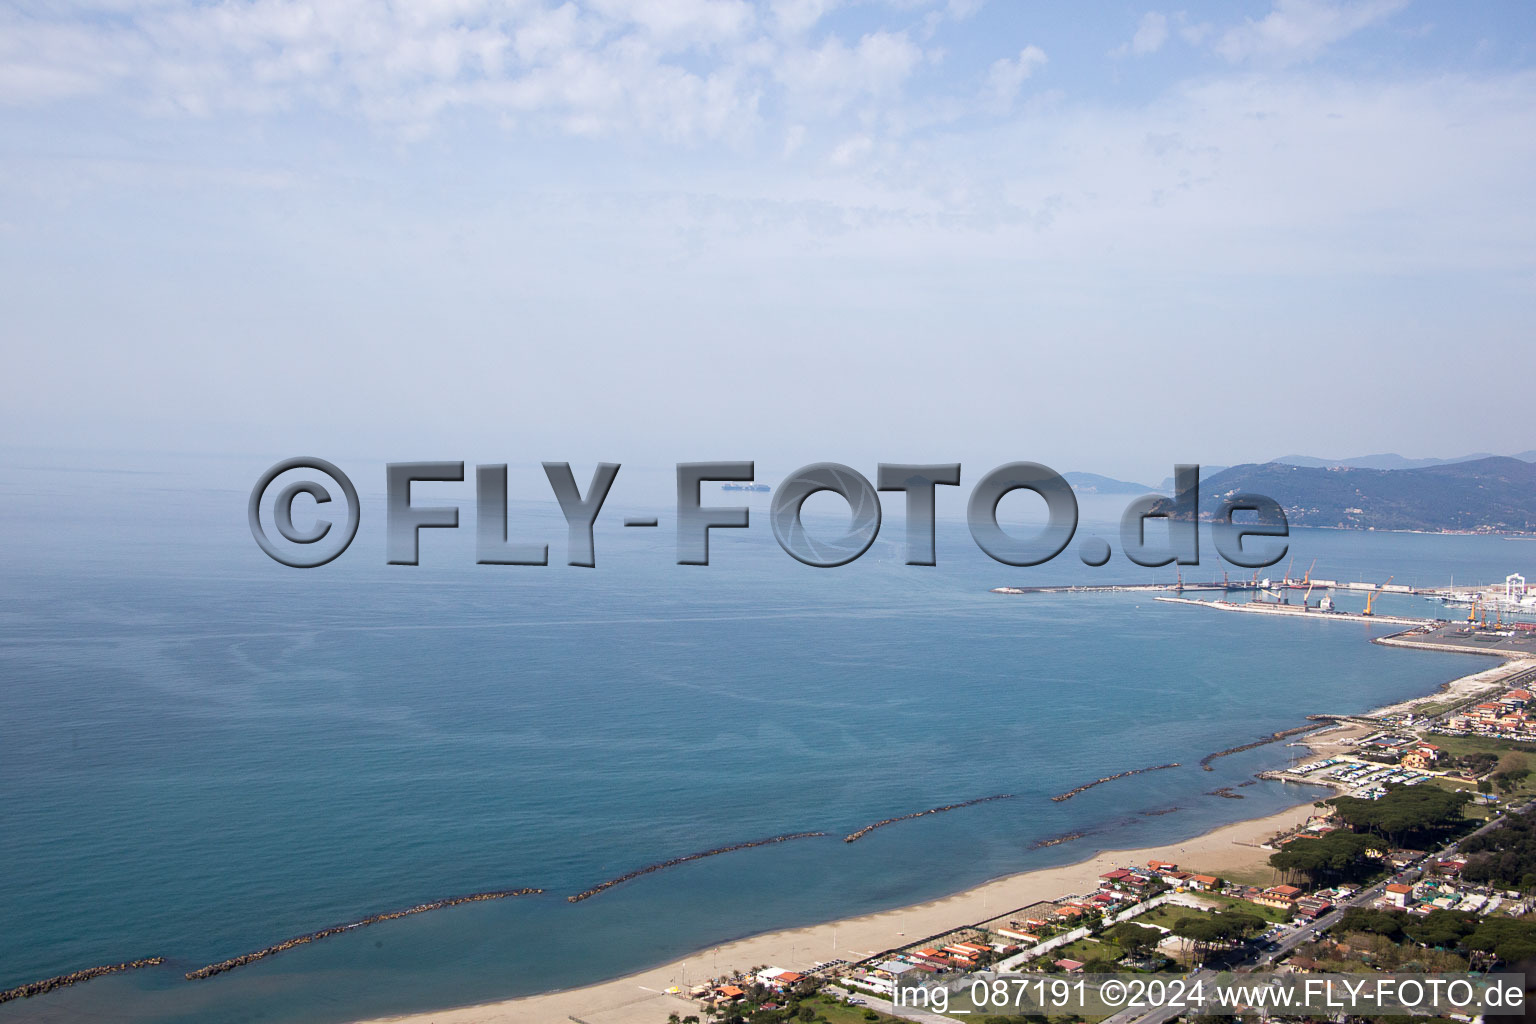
1490	494
1390	461
1093	483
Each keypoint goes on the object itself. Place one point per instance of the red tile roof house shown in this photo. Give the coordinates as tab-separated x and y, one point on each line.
1279	896
1202	881
1399	895
1161	866
1070	966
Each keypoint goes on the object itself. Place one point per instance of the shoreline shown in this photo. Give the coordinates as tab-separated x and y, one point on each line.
641	997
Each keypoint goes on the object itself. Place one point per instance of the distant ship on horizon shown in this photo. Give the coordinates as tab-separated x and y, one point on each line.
745	487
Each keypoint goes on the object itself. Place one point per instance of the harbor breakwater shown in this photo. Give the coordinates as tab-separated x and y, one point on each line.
854	837
1275	737
37	988
300	940
1069	794
675	861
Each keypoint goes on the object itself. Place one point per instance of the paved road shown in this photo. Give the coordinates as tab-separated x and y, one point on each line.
1296	937
1287	942
909	1012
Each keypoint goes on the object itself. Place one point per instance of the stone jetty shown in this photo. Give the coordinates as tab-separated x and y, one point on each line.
37	988
1275	737
1069	794
325	933
867	829
1066	837
675	861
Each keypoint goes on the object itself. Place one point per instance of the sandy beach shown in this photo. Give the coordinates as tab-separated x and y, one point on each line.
642	998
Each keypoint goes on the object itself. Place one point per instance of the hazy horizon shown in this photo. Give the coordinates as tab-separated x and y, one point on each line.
792	232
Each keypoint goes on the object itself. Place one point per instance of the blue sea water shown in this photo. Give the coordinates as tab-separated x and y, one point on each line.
203	752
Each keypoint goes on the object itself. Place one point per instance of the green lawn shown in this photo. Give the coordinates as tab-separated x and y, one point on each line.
835	1012
1244	907
1456	746
1166	915
1085	950
1262	876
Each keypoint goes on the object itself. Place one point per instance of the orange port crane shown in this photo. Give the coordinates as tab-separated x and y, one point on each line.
1370	599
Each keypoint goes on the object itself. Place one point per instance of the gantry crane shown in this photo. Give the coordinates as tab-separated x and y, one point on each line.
1370	599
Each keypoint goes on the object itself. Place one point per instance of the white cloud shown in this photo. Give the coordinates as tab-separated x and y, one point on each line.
1151	34
1297	30
1007	77
683	69
834	74
796	16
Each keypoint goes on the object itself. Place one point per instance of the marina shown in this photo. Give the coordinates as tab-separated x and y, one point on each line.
1497	606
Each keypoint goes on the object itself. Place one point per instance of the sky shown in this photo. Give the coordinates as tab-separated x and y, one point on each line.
1108	238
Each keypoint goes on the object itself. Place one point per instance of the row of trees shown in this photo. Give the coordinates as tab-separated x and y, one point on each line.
1415	816
1330	859
1510	939
1419	816
1505	855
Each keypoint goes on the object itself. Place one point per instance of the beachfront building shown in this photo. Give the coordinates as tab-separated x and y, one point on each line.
1281	897
1017	935
778	978
1312	907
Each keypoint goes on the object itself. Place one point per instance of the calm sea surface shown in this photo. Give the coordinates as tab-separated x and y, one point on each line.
203	752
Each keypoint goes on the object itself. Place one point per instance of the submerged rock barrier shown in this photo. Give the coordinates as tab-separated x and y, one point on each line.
37	988
1069	794
867	829
675	861
325	933
1276	737
1065	837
